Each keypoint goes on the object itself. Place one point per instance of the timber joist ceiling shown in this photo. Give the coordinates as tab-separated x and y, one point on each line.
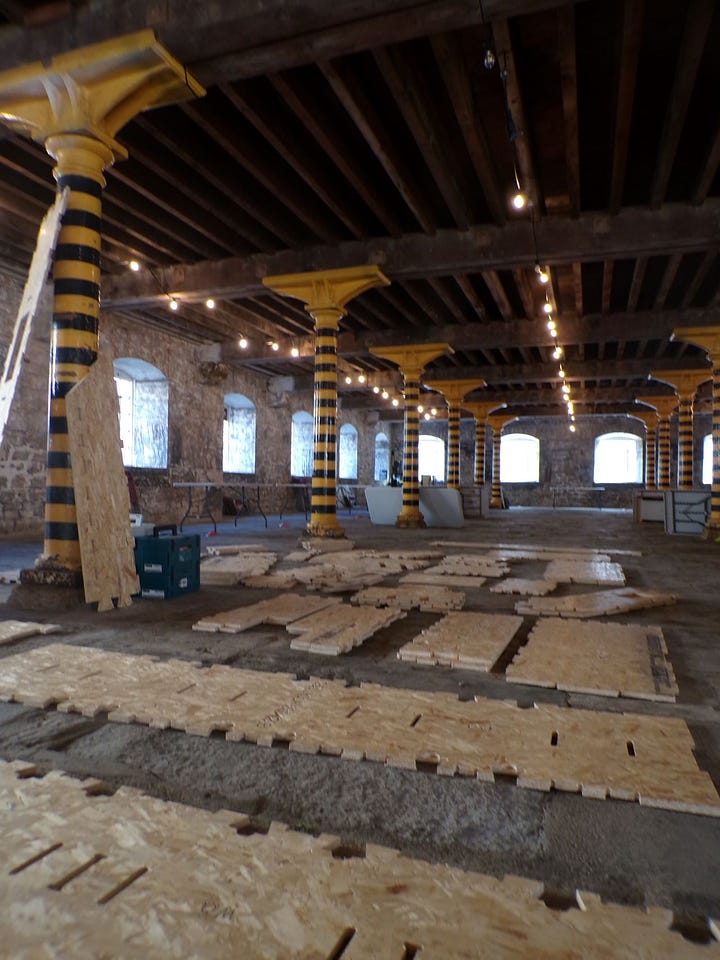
345	133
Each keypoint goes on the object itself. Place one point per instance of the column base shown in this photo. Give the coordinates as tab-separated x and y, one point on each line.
712	533
410	521
48	588
49	574
316	528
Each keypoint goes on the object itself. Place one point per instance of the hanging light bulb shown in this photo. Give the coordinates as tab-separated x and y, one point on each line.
565	389
547	307
421	408
210	303
572	428
543	275
173	304
294	352
348	379
518	200
426	415
551	326
134	266
433	411
395	402
361	378
557	353
561	373
384	394
489	59
242	343
275	346
376	389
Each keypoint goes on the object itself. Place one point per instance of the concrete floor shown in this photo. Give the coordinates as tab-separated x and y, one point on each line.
624	852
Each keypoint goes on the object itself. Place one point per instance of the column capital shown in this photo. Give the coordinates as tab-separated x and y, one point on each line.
649	417
412	359
481	409
663	404
323	289
454	391
706	337
94	90
498	422
685	382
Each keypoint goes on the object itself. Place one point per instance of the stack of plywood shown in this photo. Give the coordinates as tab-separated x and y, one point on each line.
472	641
229	570
338	629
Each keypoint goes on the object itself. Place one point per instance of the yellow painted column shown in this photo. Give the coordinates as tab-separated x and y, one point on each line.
709	339
74	104
686	383
650	419
665	407
454	392
480	411
412	360
80	162
325	294
496	491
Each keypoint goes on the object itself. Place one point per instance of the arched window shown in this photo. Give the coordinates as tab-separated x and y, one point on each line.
431	457
347	459
618	458
382	458
238	434
301	444
143	395
519	458
707	459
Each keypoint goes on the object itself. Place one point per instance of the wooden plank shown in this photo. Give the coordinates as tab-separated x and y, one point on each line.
533	588
609	659
429	578
585	571
471	566
338	629
577	750
602	603
13	630
280	610
101	492
411	596
227	570
472	641
164	875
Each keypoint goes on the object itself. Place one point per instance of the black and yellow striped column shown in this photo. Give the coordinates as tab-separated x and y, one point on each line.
480	430
650	419
454	392
664	452
685	443
80	161
325	294
709	339
496	491
411	360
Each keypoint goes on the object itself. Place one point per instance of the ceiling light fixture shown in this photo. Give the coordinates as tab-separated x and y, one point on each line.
294	352
173	304
348	379
134	266
361	378
376	389
557	353
275	346
210	303
384	394
242	343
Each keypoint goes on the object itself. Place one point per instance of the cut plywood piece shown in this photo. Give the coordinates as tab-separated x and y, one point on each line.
156	874
230	570
531	588
626	756
369	561
340	628
410	596
102	500
601	572
602	603
588	553
280	610
467	565
472	641
442	579
232	550
275	580
12	630
609	659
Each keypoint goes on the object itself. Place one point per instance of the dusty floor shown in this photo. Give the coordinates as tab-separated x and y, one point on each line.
625	852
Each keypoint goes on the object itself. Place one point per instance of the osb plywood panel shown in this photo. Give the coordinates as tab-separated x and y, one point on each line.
624	756
12	630
534	551
279	610
338	629
128	875
611	659
410	596
533	588
275	580
470	566
442	579
472	641
586	571
102	500
230	569
602	603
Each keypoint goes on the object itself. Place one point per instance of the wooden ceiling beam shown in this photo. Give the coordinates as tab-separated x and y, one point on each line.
633	13
700	275
637	282
633	233
497	292
608	269
668	279
709	169
568	79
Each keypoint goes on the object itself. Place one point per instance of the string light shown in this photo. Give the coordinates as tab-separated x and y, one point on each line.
361	378
376	389
427	416
294	352
134	266
572	428
242	343
384	394
173	304
557	353
543	275
210	303
275	346
348	379
421	408
395	402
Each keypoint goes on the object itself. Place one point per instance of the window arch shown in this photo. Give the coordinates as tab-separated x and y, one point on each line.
707	461
347	454
618	458
431	457
301	444
143	395
382	458
519	458
239	434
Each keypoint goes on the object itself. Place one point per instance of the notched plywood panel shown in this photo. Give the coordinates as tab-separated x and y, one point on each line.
602	603
471	641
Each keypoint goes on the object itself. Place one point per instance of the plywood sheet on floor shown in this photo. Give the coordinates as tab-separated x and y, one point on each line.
602	603
410	596
338	629
468	565
611	659
508	551
102	500
442	579
280	610
625	756
601	572
229	570
12	630
532	588
131	875
471	641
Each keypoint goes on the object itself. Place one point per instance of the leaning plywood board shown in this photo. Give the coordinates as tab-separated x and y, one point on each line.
280	610
602	603
102	500
599	754
12	630
600	572
609	659
410	596
472	641
531	588
338	629
144	877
